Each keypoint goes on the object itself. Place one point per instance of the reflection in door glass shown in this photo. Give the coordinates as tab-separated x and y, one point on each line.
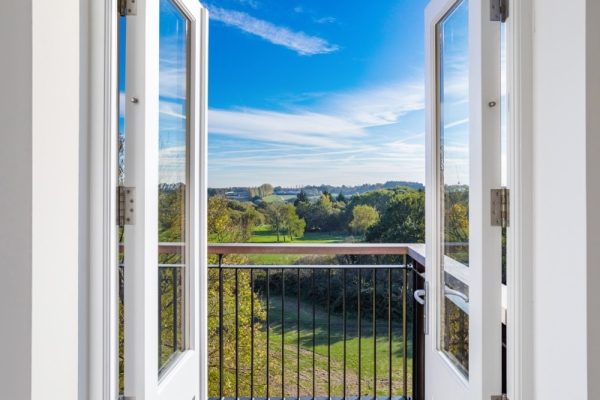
173	180
453	131
122	28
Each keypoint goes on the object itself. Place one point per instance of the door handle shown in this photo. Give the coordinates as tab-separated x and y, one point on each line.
452	292
420	296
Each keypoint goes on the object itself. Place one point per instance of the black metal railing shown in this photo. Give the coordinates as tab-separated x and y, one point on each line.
350	328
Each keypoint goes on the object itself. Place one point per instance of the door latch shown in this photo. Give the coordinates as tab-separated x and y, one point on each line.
421	296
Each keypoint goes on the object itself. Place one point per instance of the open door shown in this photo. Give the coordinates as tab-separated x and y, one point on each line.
164	199
463	344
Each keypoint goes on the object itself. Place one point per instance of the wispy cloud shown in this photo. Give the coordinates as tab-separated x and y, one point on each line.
349	137
379	105
299	42
337	121
249	3
300	128
325	20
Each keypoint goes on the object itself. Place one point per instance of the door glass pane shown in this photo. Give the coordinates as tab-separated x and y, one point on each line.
173	181
122	28
453	133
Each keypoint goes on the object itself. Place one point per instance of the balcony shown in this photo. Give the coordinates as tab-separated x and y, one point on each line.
333	321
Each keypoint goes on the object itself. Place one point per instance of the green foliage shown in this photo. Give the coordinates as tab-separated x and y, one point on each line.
263	190
285	221
323	215
246	300
403	220
363	217
231	221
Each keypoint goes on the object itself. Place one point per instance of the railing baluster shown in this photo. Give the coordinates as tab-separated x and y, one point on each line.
237	337
329	333
389	332
298	333
345	321
268	329
374	322
314	339
221	305
251	333
359	284
282	333
404	338
175	276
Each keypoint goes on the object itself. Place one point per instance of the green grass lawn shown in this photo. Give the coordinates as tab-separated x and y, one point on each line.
264	234
298	348
278	198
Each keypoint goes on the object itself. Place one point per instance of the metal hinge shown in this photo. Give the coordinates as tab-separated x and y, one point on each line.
498	10
126	205
501	207
127	7
500	397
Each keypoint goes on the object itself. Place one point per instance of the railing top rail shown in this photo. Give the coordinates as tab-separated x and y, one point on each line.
416	251
309	266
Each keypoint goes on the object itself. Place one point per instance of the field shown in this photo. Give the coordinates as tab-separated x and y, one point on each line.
276	197
301	339
264	234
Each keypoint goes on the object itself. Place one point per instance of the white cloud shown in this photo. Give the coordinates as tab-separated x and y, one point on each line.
299	42
454	124
302	128
339	121
172	164
249	3
378	106
325	20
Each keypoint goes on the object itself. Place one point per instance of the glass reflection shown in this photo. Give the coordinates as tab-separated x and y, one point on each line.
173	178
453	131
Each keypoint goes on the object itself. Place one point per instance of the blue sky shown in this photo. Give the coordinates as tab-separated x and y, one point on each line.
312	91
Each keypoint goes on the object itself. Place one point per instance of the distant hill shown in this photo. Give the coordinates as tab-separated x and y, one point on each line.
243	193
350	190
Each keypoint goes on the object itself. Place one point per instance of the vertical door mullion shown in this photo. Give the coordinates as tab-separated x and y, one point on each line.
141	239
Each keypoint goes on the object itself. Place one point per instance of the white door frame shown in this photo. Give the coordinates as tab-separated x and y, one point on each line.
519	52
102	369
99	375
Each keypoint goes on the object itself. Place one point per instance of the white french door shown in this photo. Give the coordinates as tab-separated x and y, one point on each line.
463	344
165	206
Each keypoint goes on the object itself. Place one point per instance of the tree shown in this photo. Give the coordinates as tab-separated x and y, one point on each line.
284	220
363	217
263	190
403	221
293	225
275	217
301	198
231	221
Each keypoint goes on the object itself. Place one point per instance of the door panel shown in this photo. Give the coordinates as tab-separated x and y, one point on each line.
165	162
463	348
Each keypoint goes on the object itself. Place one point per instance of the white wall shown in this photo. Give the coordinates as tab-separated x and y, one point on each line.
593	199
566	230
39	178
